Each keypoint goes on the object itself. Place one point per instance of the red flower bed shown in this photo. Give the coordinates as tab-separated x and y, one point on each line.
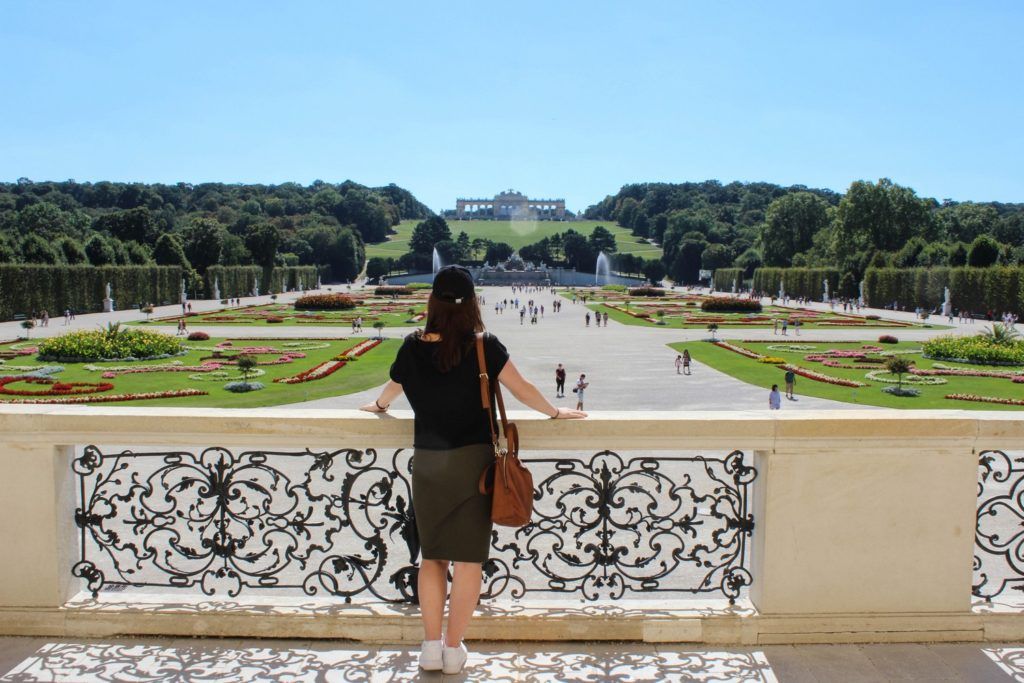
821	377
986	399
54	388
329	367
117	397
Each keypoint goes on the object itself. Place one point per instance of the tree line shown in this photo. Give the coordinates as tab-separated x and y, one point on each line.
879	224
199	226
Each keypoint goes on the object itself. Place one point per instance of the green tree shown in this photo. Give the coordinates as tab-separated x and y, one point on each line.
464	247
71	251
957	255
899	366
169	252
964	222
749	261
790	225
378	266
99	251
137	225
203	242
35	249
881	215
498	252
602	240
427	234
984	252
716	256
654	270
262	242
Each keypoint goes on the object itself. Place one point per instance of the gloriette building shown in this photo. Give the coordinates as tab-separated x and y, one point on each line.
511	205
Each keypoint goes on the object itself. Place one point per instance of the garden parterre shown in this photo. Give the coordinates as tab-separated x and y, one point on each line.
683	310
393	312
854	372
294	369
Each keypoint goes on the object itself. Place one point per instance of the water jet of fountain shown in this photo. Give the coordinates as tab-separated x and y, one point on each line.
601	269
437	261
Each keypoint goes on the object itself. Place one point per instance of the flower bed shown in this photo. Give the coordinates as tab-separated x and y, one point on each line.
324	302
329	367
737	349
116	397
731	305
93	345
54	388
910	378
646	291
986	399
976	349
821	377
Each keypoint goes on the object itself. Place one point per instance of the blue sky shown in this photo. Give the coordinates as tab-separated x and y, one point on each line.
570	99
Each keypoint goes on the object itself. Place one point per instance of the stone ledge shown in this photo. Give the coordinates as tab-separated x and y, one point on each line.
379	623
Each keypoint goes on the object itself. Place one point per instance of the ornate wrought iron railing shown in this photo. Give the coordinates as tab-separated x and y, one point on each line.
999	533
340	523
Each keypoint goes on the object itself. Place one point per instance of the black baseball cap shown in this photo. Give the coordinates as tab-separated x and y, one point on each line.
453	284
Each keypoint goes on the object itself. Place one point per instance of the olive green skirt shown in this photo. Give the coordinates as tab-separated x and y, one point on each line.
452	517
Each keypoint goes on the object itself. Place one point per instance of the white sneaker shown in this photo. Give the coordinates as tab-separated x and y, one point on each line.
455	658
431	658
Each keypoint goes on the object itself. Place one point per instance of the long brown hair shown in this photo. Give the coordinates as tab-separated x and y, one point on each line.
456	324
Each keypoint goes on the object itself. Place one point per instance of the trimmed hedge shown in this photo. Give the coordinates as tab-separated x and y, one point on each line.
646	291
724	277
799	282
238	281
29	289
721	304
976	349
392	290
998	289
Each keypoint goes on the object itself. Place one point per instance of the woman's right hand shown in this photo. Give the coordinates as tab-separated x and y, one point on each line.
569	414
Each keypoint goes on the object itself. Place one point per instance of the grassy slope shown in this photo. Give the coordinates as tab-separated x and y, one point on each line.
764	375
516	233
369	371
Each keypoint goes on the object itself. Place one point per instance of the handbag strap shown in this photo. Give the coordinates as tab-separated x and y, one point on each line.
485	391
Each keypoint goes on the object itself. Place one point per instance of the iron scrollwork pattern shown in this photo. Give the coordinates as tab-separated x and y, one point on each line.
999	533
222	521
341	523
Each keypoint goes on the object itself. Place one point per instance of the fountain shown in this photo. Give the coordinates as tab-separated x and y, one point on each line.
438	263
947	302
216	289
601	269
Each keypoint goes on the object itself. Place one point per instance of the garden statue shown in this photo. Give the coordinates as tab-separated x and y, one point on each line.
108	302
184	292
825	282
734	285
782	291
216	289
860	299
947	303
256	286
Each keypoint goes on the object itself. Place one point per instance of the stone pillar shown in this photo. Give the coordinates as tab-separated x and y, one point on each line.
38	534
869	529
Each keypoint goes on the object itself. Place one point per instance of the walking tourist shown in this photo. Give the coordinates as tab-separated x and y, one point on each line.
679	364
686	361
774	398
560	381
605	315
790	381
588	319
437	369
581	386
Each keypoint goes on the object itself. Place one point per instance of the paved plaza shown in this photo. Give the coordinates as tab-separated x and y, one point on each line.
251	661
628	367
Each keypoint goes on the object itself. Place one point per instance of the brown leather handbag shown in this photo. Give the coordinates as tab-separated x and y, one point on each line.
507	478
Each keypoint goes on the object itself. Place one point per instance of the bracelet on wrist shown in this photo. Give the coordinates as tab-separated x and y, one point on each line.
556	414
381	408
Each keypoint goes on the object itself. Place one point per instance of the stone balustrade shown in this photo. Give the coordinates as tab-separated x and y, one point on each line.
863	526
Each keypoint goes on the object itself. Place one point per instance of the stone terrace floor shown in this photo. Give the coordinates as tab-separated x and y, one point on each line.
166	659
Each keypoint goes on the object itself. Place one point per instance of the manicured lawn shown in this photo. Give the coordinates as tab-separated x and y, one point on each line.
368	371
516	233
764	375
391	313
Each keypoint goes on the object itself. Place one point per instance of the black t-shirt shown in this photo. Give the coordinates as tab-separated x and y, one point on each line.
447	404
